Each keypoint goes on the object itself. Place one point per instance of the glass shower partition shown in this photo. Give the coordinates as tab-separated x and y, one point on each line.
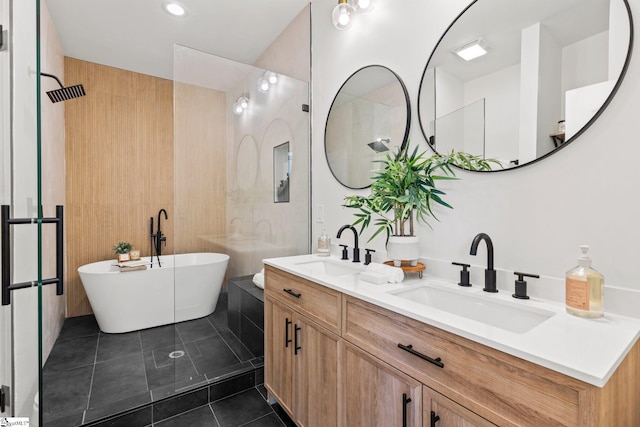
461	130
231	122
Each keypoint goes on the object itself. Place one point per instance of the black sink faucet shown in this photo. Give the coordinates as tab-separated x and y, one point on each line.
356	249
489	273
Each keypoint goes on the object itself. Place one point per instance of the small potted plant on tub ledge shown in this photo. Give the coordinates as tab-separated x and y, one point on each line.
403	192
122	251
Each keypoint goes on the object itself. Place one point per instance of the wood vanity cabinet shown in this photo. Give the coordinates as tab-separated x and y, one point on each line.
376	394
278	353
439	411
363	365
302	348
482	385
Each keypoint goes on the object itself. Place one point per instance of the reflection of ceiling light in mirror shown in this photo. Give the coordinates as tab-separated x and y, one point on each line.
243	101
241	104
472	50
364	6
271	77
174	8
263	85
342	15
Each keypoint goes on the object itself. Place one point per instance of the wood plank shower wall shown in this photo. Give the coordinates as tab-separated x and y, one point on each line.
120	167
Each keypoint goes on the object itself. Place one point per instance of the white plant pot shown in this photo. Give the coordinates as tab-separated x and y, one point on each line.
403	248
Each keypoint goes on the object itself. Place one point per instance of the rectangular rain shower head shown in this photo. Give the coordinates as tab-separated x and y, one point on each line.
64	93
379	145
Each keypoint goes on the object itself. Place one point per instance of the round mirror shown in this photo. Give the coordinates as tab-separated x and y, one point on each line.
369	116
517	81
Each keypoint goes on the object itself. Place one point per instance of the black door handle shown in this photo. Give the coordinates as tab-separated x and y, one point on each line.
437	361
296	347
290	292
6	223
287	340
405	401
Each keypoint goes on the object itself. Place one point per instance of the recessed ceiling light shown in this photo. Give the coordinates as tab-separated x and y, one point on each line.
174	8
472	50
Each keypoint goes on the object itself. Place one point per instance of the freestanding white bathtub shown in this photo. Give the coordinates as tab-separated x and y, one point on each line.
186	287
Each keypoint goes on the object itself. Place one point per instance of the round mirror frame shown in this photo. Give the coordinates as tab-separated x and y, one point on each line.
406	129
573	137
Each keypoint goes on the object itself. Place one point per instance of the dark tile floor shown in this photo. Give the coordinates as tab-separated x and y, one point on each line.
248	408
90	375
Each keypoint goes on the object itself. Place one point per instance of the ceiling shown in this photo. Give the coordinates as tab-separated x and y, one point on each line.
501	22
139	35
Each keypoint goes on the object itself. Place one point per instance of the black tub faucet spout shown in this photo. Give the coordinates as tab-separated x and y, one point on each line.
160	238
489	272
157	238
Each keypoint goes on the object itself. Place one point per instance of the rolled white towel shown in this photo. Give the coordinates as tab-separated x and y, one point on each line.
373	277
395	274
258	279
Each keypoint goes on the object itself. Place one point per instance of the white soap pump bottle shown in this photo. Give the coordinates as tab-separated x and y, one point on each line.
324	244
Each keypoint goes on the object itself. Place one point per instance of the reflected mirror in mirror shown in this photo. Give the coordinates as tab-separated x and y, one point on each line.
546	70
369	116
281	172
247	162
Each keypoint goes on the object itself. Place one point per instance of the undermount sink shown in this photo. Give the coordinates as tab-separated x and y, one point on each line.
331	268
517	319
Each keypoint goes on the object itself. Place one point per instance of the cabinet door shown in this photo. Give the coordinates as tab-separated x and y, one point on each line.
278	336
440	411
376	394
316	352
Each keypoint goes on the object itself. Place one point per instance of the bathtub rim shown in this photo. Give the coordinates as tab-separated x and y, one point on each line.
97	267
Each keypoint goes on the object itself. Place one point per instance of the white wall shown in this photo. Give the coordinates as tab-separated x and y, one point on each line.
582	63
502	93
537	216
399	38
549	96
618	39
529	91
449	93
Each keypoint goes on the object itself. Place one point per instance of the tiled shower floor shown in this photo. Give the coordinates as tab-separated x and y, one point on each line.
90	375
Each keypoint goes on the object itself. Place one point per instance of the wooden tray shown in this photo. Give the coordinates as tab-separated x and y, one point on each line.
408	268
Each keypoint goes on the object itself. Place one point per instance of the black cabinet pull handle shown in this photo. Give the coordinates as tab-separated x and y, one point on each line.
296	347
434	419
405	401
290	292
409	348
287	340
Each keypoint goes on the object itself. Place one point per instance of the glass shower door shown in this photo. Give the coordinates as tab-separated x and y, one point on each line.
6	376
241	136
22	227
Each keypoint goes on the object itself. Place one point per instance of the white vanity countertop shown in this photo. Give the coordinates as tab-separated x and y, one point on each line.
586	349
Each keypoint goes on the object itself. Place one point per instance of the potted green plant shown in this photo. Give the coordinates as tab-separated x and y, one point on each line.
404	191
121	250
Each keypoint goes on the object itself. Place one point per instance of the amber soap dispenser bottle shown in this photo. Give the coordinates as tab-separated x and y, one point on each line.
585	288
